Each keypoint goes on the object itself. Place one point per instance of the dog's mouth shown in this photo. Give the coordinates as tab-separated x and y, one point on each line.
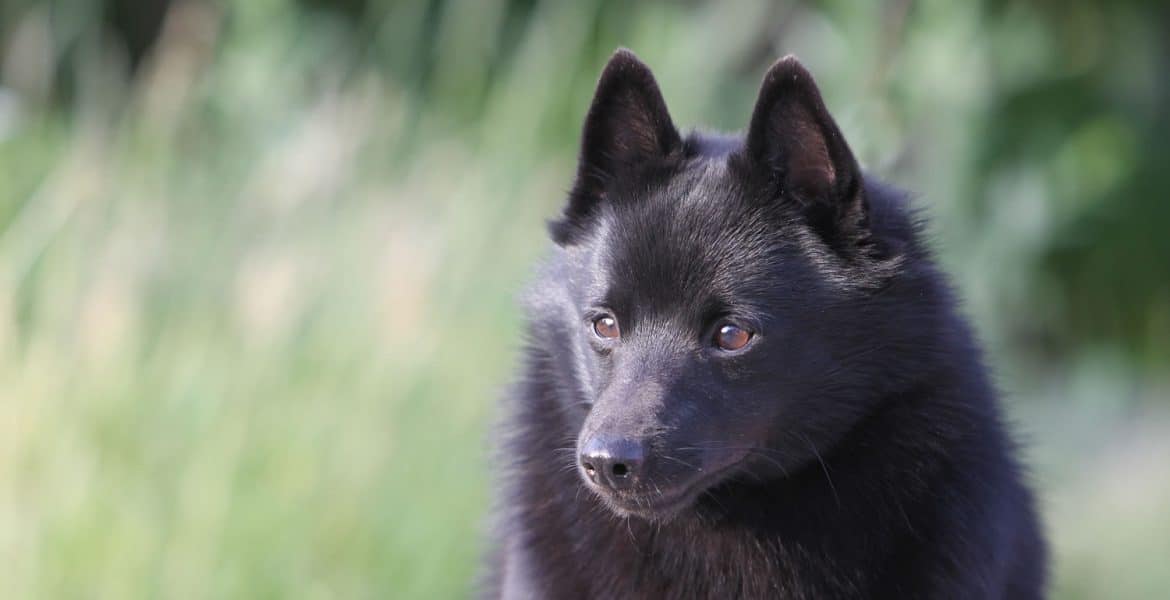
658	502
659	505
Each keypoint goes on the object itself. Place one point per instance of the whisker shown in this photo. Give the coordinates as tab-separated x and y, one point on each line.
681	462
773	461
824	468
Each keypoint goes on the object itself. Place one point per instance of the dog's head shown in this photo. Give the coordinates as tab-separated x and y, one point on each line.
723	315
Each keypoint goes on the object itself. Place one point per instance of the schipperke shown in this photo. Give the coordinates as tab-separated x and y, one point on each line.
745	377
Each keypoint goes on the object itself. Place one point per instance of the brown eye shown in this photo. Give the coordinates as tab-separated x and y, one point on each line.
732	337
606	327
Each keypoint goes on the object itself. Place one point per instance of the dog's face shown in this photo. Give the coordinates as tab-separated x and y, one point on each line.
719	291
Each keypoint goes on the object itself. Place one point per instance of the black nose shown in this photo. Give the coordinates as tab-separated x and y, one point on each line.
613	463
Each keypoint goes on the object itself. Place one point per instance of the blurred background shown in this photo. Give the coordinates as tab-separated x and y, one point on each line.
258	261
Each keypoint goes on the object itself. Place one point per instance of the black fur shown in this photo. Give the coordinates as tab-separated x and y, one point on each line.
852	449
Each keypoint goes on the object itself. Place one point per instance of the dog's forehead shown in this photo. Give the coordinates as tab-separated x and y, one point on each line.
693	237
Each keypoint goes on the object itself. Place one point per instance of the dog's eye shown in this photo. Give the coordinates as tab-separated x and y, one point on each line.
732	337
606	327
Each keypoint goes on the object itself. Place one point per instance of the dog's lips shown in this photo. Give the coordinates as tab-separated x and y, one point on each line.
658	503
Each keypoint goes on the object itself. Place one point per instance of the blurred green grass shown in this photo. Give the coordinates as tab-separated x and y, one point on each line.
257	303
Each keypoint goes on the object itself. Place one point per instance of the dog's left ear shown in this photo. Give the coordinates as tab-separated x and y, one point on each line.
794	147
627	128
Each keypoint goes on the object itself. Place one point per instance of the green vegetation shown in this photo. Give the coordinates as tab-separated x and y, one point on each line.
257	287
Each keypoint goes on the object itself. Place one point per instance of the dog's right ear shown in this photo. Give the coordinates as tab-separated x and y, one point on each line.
627	128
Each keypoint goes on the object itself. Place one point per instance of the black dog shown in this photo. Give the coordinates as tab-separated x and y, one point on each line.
746	378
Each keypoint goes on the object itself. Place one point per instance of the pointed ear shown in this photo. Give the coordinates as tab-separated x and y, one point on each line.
794	145
627	128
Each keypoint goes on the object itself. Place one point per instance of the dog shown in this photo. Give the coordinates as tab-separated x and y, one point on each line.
746	377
